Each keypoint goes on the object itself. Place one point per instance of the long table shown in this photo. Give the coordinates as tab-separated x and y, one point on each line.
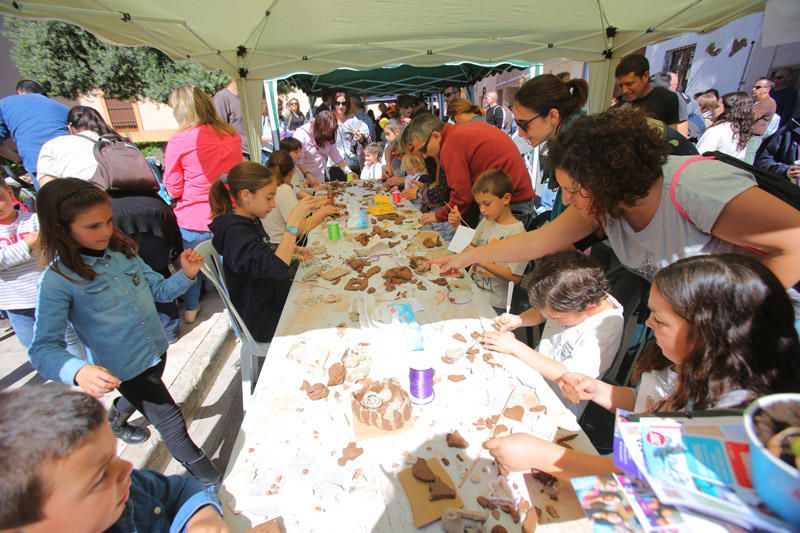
288	458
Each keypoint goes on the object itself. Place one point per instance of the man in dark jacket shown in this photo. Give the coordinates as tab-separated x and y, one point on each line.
780	153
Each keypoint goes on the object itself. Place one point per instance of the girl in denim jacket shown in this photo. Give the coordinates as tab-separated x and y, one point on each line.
95	280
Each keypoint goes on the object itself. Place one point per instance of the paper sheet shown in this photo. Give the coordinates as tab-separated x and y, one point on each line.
461	239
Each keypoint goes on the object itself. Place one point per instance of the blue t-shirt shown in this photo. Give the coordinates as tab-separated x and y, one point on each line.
32	120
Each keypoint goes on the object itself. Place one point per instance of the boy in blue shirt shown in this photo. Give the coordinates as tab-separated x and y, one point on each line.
59	471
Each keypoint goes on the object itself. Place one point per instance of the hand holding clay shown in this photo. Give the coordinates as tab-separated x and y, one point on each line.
300	211
507	322
521	451
576	387
453	263
500	341
427	218
327	210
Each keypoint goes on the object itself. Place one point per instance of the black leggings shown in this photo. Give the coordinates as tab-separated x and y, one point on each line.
147	394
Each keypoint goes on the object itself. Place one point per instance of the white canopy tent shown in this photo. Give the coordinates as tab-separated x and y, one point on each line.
255	40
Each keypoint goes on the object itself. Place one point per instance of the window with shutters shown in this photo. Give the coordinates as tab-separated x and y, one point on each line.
122	115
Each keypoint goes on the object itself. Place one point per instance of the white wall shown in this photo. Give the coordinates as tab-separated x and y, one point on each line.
721	72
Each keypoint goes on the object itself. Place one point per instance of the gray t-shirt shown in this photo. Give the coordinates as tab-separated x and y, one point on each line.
703	190
230	109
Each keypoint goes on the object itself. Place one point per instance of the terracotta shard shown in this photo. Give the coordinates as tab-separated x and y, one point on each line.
498	528
356	264
483	501
422	471
455	378
363	239
336	374
439	490
370	290
317	391
475	335
500	429
350	453
440	281
455	440
459	337
356	284
446	461
515	412
496	514
371	272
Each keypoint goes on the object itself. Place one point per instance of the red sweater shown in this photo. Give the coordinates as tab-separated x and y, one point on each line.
467	151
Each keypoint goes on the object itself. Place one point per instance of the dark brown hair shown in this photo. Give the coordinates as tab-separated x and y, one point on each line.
245	175
281	165
83	118
633	63
290	144
406	100
739	112
615	156
324	128
58	203
347	100
546	92
494	181
567	282
742	329
39	425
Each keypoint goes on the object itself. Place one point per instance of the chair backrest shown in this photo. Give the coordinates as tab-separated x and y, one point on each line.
212	269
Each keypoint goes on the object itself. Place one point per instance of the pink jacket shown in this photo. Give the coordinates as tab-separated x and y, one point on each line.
193	160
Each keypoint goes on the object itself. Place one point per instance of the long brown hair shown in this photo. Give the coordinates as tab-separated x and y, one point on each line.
281	164
742	328
739	112
324	128
58	203
225	190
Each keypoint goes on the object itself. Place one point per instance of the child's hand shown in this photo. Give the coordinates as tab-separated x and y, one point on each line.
507	322
501	341
206	520
191	262
300	211
393	181
319	201
305	254
320	187
31	239
327	210
452	263
454	217
410	192
96	381
576	387
427	218
515	452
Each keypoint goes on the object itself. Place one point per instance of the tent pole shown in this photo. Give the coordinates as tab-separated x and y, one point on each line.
271	92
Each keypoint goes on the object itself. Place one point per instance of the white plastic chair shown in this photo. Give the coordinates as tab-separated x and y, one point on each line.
251	350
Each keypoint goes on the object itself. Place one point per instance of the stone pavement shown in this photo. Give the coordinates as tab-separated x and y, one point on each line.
202	374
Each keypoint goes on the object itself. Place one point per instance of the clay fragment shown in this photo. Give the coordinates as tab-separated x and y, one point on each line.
491	421
459	337
370	290
336	374
483	501
392	244
356	284
496	515
430	242
363	239
421	286
498	528
350	453
422	471
371	272
506	507
356	264
500	429
455	378
552	511
455	440
446	461
458	456
439	490
475	335
440	281
515	412
418	264
317	391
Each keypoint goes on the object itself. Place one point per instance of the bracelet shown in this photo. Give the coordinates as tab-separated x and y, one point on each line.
292	230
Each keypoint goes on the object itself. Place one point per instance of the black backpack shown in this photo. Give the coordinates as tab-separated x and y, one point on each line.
121	167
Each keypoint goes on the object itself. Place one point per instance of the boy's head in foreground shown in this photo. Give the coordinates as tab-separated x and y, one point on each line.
567	286
59	469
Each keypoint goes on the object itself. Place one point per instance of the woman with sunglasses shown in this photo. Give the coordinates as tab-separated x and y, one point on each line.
544	107
293	116
616	174
352	135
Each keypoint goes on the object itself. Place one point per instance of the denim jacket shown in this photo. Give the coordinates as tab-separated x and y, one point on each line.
162	503
114	315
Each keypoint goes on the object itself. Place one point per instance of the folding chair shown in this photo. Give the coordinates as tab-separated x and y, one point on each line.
251	350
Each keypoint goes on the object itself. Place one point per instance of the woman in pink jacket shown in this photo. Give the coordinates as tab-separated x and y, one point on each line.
196	156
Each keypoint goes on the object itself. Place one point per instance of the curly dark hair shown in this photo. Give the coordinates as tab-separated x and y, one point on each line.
742	327
739	112
615	156
567	282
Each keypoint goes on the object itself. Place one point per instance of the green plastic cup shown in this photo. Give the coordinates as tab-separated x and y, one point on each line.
333	231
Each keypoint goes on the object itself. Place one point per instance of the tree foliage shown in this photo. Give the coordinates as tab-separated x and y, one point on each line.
69	61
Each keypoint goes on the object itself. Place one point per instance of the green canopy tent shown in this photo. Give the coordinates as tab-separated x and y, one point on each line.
254	40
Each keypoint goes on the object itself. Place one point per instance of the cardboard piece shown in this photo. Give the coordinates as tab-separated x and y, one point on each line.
461	239
423	510
334	273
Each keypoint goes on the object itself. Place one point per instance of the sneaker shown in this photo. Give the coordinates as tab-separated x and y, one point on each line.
190	315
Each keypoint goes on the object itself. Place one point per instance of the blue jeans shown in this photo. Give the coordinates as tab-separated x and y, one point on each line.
22	320
192	238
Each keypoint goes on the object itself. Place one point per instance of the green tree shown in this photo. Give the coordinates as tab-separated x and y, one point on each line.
69	61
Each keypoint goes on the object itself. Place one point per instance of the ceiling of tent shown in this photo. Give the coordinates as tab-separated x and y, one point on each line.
400	79
275	38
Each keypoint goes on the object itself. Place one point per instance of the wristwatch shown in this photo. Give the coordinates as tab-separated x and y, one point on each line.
292	230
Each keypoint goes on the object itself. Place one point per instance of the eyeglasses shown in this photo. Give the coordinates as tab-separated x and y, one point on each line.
343	104
424	149
448	95
524	124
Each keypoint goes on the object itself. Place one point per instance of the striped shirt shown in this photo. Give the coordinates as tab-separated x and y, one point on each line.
19	272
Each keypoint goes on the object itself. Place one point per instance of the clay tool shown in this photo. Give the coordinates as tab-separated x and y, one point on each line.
509	295
447	204
491	435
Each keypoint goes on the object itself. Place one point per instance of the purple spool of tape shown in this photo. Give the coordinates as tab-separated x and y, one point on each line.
421	384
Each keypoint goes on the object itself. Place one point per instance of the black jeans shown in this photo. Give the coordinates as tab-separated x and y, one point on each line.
147	394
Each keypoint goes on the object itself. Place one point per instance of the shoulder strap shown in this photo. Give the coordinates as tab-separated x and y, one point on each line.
674	185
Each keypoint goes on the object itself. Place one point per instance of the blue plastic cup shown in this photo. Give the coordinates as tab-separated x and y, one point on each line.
776	483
